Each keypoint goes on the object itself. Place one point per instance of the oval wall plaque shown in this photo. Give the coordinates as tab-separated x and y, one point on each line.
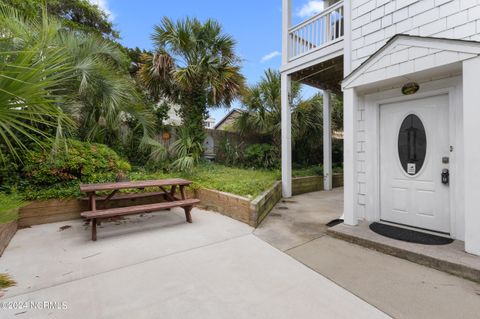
410	88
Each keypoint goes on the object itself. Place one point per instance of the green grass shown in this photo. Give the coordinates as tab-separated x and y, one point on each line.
6	281
240	181
9	205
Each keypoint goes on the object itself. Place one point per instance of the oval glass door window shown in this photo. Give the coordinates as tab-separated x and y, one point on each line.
412	144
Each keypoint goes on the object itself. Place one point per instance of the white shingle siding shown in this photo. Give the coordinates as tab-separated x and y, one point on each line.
374	22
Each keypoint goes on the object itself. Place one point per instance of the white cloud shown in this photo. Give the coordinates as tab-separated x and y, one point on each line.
310	8
103	4
270	56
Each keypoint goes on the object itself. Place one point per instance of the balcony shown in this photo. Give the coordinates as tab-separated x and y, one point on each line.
313	49
319	31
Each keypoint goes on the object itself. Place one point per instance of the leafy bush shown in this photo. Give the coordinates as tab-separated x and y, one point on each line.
9	173
228	153
187	151
74	161
261	156
337	151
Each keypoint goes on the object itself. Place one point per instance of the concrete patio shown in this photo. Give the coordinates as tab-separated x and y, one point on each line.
157	266
396	286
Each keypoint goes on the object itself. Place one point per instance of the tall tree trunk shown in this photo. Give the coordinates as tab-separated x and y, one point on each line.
193	114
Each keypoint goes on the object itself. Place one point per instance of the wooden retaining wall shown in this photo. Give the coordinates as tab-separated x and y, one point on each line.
236	207
309	184
6	233
50	211
263	204
302	185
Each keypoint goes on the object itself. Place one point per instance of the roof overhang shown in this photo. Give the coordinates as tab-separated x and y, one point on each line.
406	54
232	111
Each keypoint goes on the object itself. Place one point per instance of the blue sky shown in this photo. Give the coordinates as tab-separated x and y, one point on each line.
256	25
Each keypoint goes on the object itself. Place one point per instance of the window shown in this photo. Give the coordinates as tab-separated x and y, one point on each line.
412	144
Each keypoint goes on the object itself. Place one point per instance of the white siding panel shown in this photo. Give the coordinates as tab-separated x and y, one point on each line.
374	22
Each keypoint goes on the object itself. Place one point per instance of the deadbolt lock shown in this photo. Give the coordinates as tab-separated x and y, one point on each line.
445	177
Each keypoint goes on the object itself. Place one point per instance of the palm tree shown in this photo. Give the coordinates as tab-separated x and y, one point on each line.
195	66
31	71
101	94
262	112
52	78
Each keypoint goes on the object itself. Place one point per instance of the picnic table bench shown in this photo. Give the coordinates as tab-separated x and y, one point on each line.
95	215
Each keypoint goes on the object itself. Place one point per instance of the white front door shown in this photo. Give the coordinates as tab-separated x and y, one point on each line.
414	151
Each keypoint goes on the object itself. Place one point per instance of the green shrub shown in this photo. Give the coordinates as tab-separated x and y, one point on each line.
74	161
314	170
261	156
9	206
337	151
228	153
9	173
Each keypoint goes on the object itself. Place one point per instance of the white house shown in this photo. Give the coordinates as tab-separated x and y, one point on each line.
409	71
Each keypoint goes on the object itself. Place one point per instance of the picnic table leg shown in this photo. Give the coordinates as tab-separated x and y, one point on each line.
172	190
188	209
93	203
94	229
182	191
188	215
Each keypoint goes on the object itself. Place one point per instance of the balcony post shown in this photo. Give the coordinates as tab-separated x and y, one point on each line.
327	141
347	33
286	24
286	137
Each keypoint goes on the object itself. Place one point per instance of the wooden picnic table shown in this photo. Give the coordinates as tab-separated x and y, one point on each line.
168	196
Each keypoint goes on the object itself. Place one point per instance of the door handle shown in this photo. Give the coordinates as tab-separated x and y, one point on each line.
445	176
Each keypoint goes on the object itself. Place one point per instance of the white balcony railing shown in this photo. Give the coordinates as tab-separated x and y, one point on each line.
317	32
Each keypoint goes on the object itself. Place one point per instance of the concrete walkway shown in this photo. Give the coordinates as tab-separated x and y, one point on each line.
398	287
157	266
300	219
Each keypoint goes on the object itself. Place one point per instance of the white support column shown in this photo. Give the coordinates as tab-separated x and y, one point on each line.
327	141
471	120
286	112
350	101
286	137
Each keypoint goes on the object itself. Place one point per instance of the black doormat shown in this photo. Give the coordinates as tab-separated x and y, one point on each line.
334	222
409	235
